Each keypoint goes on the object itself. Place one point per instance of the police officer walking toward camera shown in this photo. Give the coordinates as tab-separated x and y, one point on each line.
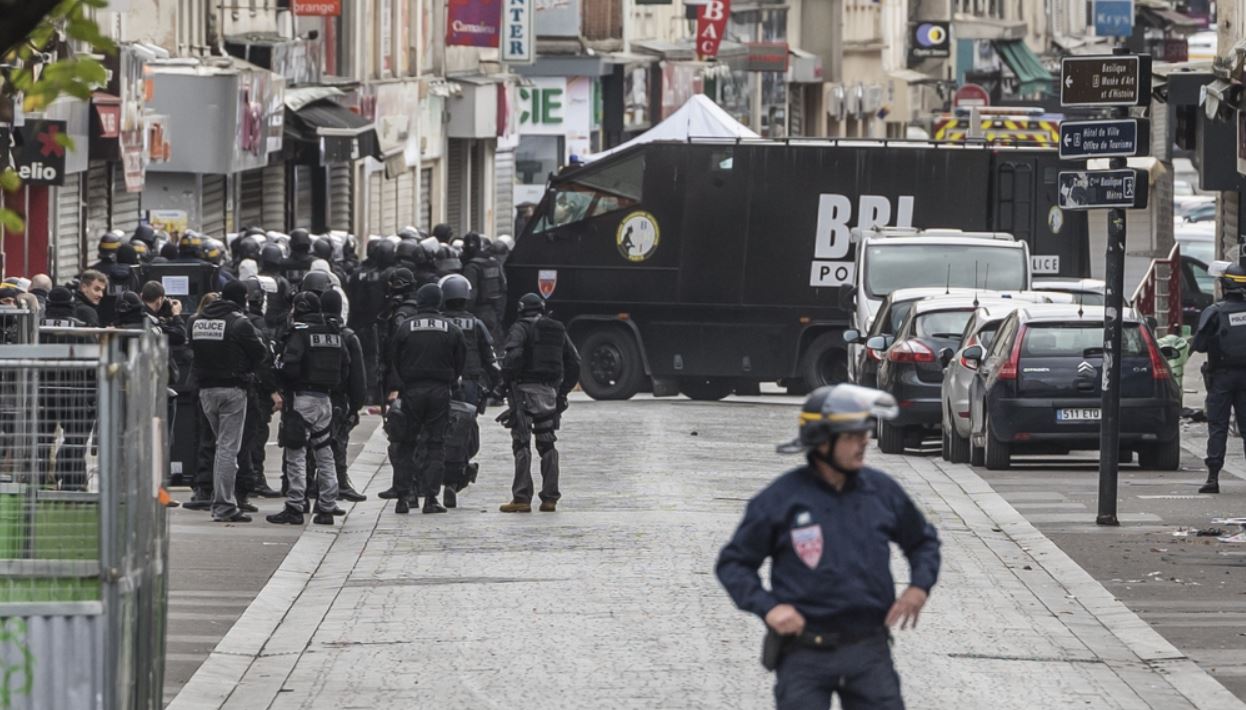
426	360
229	353
539	369
1222	335
827	527
314	362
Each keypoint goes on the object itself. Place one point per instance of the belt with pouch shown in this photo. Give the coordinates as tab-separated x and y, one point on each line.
775	645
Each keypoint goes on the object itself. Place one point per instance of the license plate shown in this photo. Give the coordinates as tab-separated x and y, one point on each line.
1078	415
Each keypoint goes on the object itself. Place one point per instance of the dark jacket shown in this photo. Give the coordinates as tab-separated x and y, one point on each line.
845	535
85	311
1221	333
426	347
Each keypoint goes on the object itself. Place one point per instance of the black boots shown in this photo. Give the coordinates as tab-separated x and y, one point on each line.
1212	485
287	516
402	507
201	499
432	506
451	498
346	490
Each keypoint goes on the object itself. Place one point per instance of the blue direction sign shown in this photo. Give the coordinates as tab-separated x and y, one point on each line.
1123	138
1093	189
1114	18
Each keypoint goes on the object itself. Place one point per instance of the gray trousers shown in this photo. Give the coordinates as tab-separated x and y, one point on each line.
317	410
536	414
225	409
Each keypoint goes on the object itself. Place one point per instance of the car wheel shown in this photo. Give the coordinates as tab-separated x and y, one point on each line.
825	361
977	455
996	456
958	448
945	449
890	438
612	367
1161	457
705	389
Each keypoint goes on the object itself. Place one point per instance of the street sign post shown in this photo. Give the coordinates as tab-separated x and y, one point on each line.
1117	80
1121	81
1124	138
1095	189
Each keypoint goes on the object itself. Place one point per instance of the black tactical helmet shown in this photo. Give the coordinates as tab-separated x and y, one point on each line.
370	251
409	233
401	280
271	256
213	251
246	248
448	260
386	253
444	233
408	252
60	296
1233	280
109	243
145	233
127	255
472	245
316	281
190	244
429	296
837	409
323	249
255	294
140	248
306	302
300	241
128	306
531	303
456	287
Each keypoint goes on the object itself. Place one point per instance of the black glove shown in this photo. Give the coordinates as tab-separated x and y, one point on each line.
562	403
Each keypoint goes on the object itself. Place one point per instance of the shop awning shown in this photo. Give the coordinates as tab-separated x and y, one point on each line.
1032	75
975	27
1165	18
337	135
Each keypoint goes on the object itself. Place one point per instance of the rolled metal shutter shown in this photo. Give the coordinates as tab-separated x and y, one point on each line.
251	199
302	197
375	186
389	204
456	183
68	242
504	193
126	206
406	199
212	217
426	199
477	205
796	109
340	190
273	213
97	188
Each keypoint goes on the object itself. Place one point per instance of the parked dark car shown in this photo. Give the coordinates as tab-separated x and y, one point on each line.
1038	387
911	367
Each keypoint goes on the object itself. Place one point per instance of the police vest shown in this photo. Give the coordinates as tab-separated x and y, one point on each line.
1230	347
544	346
472	367
323	354
215	357
490	285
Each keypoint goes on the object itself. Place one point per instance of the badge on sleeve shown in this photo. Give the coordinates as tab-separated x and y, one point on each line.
808	544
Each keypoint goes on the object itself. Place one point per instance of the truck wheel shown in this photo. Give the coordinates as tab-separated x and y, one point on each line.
825	361
890	438
1161	457
612	368
997	456
705	389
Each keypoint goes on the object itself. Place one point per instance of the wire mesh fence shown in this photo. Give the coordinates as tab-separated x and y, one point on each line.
83	536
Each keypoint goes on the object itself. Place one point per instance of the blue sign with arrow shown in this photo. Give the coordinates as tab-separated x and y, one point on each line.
1114	18
1119	138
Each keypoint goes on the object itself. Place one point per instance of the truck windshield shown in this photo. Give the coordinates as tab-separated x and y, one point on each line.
594	191
892	266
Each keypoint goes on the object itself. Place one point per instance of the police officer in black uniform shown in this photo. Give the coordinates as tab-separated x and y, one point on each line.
539	368
68	400
488	280
366	290
251	457
1222	335
347	399
426	264
827	527
480	376
322	248
314	362
279	292
229	353
117	262
109	243
300	260
426	361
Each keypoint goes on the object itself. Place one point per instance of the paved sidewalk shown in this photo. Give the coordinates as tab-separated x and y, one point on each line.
612	603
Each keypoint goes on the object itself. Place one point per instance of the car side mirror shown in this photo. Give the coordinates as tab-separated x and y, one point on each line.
878	342
852	337
1169	352
945	356
973	353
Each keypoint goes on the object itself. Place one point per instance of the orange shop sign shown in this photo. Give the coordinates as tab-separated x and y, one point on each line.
318	8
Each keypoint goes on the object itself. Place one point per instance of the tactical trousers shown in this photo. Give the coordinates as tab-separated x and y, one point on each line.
862	674
225	409
1226	389
254	438
317	411
536	414
370	344
419	458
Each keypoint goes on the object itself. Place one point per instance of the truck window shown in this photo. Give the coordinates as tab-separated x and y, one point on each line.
594	191
892	266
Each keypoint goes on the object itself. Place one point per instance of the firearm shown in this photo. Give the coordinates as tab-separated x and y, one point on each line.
505	391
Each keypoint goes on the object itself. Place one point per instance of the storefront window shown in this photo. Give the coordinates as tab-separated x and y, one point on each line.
536	157
593	192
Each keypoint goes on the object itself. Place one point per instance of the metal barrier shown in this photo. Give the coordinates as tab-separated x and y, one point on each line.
83	536
1159	293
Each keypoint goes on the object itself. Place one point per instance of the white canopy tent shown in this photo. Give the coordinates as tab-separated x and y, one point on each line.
699	118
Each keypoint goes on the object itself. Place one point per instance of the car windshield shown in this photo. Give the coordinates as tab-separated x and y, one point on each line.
1203	251
1206	282
943	324
892	266
1074	339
